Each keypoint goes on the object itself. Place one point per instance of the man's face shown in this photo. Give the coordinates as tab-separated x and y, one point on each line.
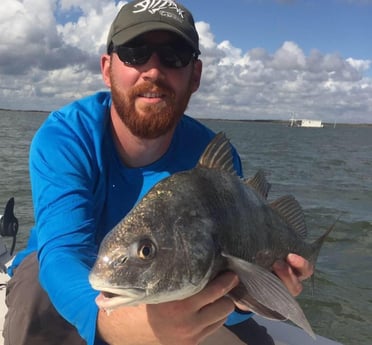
151	98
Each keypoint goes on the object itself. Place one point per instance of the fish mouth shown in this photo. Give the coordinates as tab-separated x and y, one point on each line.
110	299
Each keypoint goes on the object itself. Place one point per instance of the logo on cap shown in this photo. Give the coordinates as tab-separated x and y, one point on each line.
154	6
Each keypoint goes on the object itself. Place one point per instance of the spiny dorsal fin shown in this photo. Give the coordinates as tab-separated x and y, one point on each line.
290	210
259	183
218	154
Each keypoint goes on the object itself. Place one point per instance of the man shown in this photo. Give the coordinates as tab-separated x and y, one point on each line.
90	163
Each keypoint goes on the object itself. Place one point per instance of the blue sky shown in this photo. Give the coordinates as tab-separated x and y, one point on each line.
262	59
330	26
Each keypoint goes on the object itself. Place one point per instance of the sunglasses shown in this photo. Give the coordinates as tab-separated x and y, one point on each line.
176	54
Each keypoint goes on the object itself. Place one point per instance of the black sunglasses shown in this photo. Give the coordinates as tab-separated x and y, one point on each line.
176	54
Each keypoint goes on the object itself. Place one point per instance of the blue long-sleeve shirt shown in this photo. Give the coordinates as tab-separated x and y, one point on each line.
81	190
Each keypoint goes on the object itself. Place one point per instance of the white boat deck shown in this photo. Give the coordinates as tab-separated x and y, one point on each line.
3	279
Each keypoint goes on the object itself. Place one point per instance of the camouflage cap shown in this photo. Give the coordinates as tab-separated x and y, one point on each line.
140	16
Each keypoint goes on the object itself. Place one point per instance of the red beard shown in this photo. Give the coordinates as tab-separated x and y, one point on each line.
155	120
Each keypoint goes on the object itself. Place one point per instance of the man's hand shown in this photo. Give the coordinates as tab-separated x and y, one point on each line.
293	271
185	322
189	321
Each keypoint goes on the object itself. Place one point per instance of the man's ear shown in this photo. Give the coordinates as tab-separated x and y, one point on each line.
105	69
197	73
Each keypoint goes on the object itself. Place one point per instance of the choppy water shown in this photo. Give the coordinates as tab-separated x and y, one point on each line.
329	171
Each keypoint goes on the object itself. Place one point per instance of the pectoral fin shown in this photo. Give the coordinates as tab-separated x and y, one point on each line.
265	294
240	294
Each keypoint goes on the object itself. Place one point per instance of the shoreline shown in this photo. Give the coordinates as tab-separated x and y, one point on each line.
286	122
268	121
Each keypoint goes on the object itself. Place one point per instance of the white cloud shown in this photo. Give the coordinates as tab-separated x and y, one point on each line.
360	65
206	36
44	64
89	32
289	56
232	54
257	84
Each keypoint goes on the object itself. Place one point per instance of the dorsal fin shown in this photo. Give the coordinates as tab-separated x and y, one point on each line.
218	155
259	183
290	210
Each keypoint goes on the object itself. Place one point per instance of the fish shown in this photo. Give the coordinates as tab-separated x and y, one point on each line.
195	224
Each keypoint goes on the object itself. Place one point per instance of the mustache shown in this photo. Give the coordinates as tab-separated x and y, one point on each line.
156	87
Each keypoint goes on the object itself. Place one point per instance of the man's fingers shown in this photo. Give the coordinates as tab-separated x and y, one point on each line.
288	277
218	311
215	290
301	267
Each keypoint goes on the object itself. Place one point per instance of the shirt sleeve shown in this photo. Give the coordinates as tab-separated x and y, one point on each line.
64	178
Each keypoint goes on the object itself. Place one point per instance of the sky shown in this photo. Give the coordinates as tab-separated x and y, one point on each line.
262	59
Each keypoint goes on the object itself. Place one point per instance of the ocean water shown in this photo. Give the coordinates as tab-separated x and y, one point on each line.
328	170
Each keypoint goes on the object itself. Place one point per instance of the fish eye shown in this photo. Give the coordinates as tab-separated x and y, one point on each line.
146	250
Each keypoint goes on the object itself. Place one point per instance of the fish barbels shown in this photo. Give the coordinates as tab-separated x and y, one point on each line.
197	223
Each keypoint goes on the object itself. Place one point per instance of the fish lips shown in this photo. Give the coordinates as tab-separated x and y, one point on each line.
112	298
